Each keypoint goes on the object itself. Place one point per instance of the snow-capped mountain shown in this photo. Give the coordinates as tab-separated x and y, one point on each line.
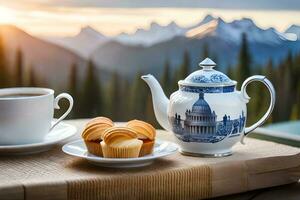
148	37
223	39
157	33
205	20
84	43
135	52
232	31
293	31
210	25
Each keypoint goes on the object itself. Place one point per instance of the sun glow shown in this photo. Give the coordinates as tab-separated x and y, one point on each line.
62	21
6	15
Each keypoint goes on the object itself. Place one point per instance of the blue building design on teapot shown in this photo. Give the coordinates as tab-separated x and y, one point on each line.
201	125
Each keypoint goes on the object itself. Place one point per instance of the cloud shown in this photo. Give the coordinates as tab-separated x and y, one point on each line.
219	4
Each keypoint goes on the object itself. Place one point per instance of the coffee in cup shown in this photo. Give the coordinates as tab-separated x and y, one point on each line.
26	114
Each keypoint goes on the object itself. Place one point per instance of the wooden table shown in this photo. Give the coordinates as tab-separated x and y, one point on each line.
291	191
286	192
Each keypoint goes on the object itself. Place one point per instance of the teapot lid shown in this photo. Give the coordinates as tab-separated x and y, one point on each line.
207	76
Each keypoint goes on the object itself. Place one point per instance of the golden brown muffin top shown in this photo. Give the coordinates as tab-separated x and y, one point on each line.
143	129
94	128
100	120
118	134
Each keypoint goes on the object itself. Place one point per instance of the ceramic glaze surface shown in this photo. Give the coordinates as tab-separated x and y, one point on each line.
28	119
207	76
205	123
214	77
161	149
207	114
57	135
196	89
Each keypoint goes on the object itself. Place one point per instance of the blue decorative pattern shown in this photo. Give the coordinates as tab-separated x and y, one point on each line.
200	124
219	78
196	89
214	78
200	79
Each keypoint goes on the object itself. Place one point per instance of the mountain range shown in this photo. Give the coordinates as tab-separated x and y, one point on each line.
84	43
50	62
88	38
147	50
294	31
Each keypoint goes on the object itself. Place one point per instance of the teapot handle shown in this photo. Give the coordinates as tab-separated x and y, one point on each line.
271	89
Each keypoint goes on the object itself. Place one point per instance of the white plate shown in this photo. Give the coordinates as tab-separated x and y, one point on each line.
286	130
60	133
161	149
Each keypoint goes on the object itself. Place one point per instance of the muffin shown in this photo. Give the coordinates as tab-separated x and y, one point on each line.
145	132
92	134
120	142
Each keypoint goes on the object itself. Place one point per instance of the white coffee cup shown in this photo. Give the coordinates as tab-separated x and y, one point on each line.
26	114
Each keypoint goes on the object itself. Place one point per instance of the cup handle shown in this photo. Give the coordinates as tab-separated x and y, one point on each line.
271	89
56	106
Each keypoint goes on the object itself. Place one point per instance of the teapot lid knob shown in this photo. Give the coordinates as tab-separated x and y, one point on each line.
207	64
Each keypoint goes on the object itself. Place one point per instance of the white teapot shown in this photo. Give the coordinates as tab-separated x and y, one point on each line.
207	114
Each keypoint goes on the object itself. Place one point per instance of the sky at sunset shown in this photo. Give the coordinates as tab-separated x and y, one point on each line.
66	17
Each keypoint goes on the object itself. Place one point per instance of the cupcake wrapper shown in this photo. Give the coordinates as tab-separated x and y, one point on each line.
94	147
120	152
147	148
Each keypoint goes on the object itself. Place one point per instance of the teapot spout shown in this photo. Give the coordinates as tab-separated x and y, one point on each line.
160	101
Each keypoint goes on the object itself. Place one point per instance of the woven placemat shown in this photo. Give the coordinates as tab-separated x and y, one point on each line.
54	175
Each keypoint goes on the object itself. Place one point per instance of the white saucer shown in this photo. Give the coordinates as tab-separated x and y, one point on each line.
61	132
161	149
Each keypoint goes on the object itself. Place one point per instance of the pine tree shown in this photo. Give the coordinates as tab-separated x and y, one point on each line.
243	68
295	112
284	94
262	93
92	102
139	93
269	69
185	66
182	72
215	58
278	79
205	51
296	69
73	90
125	94
230	72
150	116
297	73
298	101
115	97
174	80
287	89
166	79
19	68
4	75
32	79
294	72
243	71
